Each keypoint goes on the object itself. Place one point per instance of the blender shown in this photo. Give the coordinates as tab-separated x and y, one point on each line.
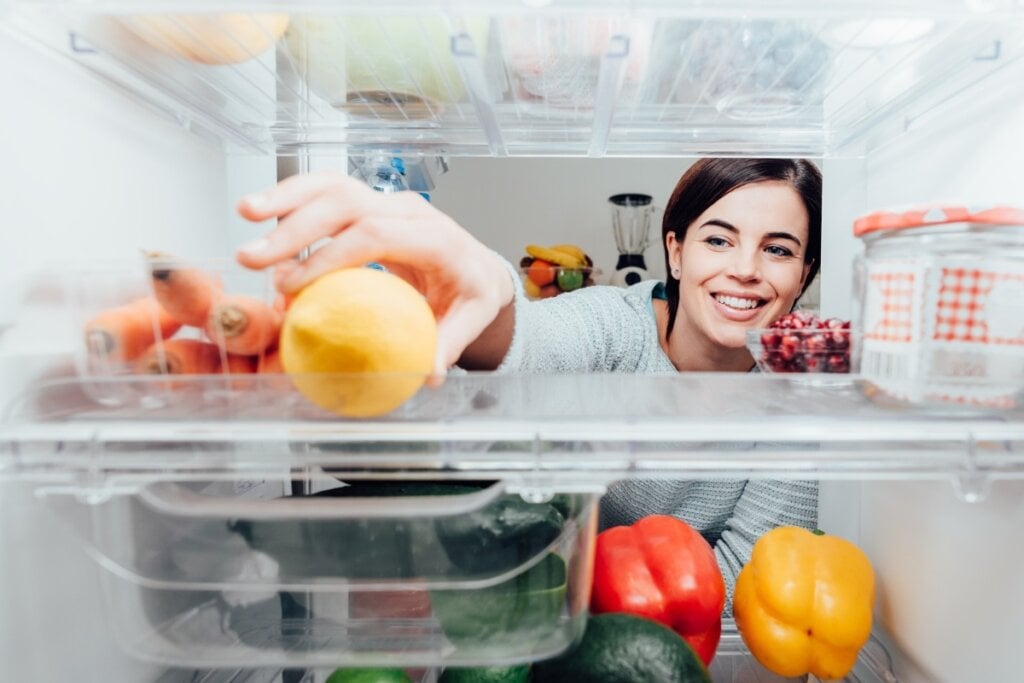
631	223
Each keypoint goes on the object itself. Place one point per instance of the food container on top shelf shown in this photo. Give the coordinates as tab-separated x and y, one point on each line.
756	70
941	304
394	67
210	39
556	61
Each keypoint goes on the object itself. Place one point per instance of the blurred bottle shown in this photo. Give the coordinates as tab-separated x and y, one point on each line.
386	174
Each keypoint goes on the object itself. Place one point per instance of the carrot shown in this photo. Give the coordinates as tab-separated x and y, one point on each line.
241	324
240	370
180	357
187	294
282	302
125	332
270	363
234	364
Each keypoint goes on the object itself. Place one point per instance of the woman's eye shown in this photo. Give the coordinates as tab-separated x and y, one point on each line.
776	250
717	241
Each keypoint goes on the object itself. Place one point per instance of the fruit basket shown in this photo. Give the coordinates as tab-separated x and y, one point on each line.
801	342
557	280
554	270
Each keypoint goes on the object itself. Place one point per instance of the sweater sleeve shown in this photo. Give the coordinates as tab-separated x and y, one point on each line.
763	505
591	329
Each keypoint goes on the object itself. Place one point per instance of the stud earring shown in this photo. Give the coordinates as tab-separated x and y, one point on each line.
675	273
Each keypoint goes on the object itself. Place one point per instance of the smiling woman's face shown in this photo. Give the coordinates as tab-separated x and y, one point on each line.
741	263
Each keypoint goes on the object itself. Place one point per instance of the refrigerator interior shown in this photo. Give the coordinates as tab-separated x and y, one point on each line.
113	154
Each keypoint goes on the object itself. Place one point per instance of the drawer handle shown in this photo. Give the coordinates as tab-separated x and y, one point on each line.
172	499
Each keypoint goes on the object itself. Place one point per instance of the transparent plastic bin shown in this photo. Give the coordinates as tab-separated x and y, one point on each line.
757	70
180	320
813	351
556	61
392	67
120	329
232	572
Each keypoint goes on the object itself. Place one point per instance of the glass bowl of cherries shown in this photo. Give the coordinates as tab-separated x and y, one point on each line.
802	342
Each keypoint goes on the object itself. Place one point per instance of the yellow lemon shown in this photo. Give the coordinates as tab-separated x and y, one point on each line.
358	342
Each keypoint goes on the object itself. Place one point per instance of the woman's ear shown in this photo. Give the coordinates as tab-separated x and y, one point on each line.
674	249
803	278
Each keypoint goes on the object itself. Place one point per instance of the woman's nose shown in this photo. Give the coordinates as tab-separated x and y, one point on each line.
745	266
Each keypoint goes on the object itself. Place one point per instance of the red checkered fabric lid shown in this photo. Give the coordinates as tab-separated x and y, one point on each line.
878	221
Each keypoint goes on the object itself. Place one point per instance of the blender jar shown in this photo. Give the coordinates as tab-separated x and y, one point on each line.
631	226
941	305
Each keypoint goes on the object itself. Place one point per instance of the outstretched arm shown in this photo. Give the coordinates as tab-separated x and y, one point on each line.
466	284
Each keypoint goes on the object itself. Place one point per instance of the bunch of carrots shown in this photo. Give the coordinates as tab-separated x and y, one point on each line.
241	333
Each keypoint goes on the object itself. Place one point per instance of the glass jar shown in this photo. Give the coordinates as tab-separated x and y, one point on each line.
941	305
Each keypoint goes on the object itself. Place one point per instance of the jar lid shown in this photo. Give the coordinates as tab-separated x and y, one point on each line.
937	214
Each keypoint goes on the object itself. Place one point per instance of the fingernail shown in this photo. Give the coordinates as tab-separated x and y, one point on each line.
256	246
257	200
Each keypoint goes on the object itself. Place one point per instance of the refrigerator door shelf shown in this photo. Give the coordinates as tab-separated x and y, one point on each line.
820	79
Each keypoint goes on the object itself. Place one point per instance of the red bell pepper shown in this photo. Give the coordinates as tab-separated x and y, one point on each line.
662	569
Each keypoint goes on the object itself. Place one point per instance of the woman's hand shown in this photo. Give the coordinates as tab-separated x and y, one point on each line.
464	282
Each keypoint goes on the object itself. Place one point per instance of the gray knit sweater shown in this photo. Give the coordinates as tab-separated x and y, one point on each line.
609	329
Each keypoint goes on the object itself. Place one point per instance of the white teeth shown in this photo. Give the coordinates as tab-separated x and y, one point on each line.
736	302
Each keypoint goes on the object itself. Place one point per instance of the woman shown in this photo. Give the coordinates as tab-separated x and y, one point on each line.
741	240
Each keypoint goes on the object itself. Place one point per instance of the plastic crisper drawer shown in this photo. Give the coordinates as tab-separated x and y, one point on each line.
232	573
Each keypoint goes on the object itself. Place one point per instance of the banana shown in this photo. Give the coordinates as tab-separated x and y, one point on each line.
555	256
572	250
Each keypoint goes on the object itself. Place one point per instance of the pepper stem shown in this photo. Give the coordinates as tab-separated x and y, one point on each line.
818	532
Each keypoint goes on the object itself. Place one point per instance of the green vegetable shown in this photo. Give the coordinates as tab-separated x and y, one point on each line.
515	615
622	648
487	674
369	676
495	539
501	536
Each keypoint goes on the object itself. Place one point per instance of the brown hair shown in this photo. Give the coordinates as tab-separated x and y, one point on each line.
709	180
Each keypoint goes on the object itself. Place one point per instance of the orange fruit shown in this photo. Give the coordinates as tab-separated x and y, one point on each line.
541	272
358	342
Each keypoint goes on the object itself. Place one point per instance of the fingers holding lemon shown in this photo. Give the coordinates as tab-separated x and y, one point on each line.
359	342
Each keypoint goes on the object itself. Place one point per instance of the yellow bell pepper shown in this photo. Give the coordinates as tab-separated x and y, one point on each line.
803	603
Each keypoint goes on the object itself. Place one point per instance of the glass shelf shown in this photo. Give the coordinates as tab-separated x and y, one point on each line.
570	432
571	79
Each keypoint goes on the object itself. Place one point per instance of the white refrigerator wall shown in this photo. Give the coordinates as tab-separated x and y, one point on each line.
86	174
950	571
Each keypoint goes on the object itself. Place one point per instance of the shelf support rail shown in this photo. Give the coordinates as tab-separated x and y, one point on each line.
472	72
609	84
